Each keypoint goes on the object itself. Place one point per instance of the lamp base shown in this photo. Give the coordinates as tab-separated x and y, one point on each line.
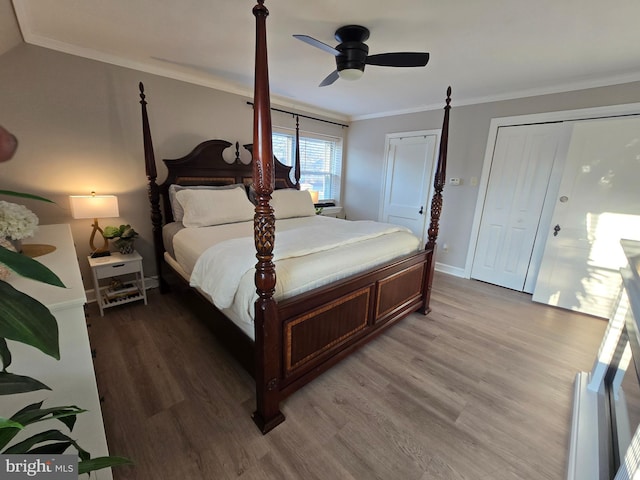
101	251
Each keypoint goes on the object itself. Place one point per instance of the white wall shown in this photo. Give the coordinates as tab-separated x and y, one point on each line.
9	32
468	133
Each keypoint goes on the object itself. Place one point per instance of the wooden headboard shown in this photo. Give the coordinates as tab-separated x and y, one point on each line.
205	165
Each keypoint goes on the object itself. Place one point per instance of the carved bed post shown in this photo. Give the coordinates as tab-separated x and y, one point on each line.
436	201
297	160
153	191
267	338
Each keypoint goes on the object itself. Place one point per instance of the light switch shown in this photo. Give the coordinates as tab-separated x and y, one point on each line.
454	181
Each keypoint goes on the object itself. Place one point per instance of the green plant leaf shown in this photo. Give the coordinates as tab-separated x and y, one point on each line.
82	453
8	430
62	442
98	463
28	267
51	448
70	420
33	415
25	195
8	423
111	232
5	354
11	384
26	445
25	320
28	408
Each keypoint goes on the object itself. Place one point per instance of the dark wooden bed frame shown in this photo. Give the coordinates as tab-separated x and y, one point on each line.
300	337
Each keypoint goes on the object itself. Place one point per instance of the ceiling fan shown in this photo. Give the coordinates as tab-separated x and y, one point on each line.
352	54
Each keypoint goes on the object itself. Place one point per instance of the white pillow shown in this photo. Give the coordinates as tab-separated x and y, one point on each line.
203	208
176	207
289	202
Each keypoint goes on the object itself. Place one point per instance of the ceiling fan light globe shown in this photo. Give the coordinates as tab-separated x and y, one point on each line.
351	74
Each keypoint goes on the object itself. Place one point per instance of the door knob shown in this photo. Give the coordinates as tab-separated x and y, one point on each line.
421	209
556	229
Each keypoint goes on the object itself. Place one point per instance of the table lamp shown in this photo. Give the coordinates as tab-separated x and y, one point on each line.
95	206
314	195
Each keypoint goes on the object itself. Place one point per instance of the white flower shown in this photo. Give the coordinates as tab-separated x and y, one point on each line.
17	221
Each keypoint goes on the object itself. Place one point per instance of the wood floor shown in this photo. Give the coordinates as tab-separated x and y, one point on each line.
480	389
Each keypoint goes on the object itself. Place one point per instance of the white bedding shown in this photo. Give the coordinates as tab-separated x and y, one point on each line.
306	258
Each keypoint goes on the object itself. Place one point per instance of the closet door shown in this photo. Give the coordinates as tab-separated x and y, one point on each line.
598	203
521	170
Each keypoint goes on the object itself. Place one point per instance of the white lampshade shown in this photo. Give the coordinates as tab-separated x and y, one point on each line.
314	195
94	206
350	74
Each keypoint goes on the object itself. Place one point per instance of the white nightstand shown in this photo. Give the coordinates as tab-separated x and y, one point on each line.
130	267
335	212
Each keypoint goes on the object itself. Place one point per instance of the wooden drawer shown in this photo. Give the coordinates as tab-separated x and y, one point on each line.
115	269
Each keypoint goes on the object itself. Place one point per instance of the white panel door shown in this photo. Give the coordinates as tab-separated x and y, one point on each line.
409	167
521	169
598	203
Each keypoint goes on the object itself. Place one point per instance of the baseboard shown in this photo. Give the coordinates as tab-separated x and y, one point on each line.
451	270
583	462
149	282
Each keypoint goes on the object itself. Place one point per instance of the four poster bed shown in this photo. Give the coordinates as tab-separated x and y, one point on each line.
333	294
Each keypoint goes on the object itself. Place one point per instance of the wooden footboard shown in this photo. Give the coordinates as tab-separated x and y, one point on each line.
315	328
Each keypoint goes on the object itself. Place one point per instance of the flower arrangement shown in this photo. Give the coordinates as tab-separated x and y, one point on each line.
17	221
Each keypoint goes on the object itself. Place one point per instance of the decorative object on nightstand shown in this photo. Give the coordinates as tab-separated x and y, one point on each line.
125	236
126	279
95	206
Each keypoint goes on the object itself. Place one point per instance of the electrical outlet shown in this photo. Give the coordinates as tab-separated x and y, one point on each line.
454	181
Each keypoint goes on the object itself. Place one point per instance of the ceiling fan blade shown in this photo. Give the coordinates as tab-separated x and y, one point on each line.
399	59
318	44
332	77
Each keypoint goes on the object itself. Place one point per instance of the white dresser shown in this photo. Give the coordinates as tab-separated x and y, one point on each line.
72	378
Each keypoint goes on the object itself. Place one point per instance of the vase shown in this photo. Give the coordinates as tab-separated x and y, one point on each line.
16	244
124	245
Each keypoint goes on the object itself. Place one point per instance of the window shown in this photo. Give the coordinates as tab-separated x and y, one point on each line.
320	162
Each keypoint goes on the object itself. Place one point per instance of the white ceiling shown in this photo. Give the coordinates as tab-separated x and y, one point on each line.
486	50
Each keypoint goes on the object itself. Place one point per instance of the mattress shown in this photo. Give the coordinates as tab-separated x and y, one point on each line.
297	269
